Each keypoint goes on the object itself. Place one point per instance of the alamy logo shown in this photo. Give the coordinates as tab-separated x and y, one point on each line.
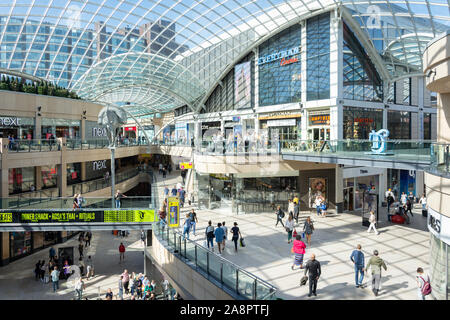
374	17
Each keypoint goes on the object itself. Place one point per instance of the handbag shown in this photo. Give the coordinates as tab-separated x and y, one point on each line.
303	235
294	234
303	280
241	242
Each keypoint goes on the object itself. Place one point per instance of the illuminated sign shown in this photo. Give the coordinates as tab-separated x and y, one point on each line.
319	119
42	216
284	61
130	128
364	120
9	121
280	115
174	212
279	55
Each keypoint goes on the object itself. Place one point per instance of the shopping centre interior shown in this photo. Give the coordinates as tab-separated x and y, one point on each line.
255	103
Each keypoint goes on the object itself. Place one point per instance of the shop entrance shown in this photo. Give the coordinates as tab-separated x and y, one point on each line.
320	133
5	132
348	199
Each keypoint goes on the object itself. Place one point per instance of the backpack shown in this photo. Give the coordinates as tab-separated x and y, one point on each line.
210	234
426	289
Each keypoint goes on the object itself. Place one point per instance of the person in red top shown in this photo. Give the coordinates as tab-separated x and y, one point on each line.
121	252
298	248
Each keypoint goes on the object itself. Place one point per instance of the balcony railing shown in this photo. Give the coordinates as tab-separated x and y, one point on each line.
440	160
228	274
34	145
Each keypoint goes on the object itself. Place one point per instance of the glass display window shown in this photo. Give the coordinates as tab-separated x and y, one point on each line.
359	122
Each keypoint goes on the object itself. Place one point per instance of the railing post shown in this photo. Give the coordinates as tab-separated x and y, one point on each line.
207	263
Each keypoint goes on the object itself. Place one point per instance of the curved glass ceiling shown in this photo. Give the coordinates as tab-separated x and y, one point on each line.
158	55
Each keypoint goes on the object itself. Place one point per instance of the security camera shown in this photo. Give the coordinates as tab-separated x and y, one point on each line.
430	72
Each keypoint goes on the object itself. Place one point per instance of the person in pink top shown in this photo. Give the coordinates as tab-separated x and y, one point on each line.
125	280
298	248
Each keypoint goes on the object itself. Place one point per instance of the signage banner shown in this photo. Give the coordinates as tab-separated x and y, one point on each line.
280	115
174	212
279	55
186	165
319	119
439	225
130	128
282	123
43	216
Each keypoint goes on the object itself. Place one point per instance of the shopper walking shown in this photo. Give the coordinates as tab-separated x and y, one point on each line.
280	216
423	201
75	202
375	262
296	210
117	197
80	249
121	252
209	232
357	257
318	204
55	278
423	284
80	200
298	248
219	234
236	234
225	234
373	221
313	267
51	253
79	287
289	225
290	206
194	220
409	205
120	294
308	228
186	227
390	198
132	283
89	268
125	280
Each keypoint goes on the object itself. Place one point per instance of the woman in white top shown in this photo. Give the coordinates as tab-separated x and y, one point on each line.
290	206
289	225
423	202
372	220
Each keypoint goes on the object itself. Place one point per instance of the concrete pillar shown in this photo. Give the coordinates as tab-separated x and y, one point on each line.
38	178
4	249
383	185
62	169
37	126
83	128
339	189
83	171
385	118
336	61
419	183
4	171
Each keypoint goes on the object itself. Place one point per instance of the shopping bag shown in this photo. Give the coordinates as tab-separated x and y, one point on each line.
242	243
303	235
294	234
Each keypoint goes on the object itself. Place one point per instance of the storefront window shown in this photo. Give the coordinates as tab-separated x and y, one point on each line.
280	79
19	243
73	173
60	128
399	124
318	57
17	127
21	180
359	122
49	176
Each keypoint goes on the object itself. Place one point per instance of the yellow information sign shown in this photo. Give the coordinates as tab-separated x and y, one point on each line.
174	212
186	165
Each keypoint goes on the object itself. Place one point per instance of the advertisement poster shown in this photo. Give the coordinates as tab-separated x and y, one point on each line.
181	133
317	188
174	212
242	86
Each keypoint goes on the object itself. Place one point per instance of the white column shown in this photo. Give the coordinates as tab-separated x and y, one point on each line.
419	183
339	189
304	120
336	121
256	89
336	76
382	186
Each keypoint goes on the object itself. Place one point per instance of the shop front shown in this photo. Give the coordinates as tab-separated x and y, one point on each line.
16	127
402	181
129	132
319	125
281	126
21	180
358	182
439	227
182	133
359	122
20	244
60	128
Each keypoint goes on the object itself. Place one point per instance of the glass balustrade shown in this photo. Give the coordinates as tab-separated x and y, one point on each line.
440	160
222	270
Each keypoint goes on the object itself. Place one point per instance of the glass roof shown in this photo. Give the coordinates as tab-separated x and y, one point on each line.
156	55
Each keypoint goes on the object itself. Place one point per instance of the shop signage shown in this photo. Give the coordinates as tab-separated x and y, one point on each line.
236	119
185	165
284	61
282	123
280	115
319	119
363	120
210	125
46	216
363	171
98	165
99	132
439	225
130	128
279	55
9	121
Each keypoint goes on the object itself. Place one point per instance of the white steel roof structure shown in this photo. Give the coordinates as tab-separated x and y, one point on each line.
161	54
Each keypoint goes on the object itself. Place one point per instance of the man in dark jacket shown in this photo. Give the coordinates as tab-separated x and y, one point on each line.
313	266
357	258
280	215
